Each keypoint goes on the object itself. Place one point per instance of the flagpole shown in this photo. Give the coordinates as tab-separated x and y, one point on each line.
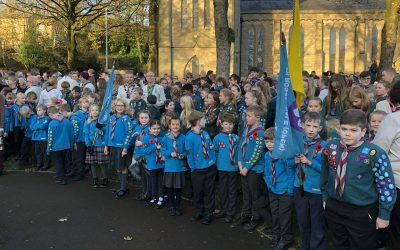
106	68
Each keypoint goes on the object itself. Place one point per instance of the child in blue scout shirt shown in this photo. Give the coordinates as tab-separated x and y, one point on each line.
8	126
151	149
307	190
279	177
357	185
18	123
95	143
59	143
173	150
251	166
39	137
26	146
119	130
201	159
139	132
226	145
78	153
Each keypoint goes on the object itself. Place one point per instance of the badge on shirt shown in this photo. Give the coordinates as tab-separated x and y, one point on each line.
366	151
366	161
333	146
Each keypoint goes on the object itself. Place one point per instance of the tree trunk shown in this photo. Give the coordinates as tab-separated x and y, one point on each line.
153	37
71	47
221	37
389	34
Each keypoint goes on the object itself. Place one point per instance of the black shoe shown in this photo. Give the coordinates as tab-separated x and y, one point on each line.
44	168
104	183
228	219
178	211
268	231
241	220
60	182
141	197
172	211
159	204
151	203
251	225
95	183
121	193
196	217
207	219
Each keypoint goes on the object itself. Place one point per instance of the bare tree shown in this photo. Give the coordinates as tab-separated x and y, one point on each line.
222	37
389	34
73	15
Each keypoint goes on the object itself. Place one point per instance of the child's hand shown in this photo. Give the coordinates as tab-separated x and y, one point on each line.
135	134
304	160
124	152
138	143
296	160
5	134
381	223
106	150
244	171
173	154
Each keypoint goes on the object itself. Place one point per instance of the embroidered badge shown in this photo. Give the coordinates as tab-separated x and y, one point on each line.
359	176
333	146
363	156
373	152
197	155
221	144
334	153
366	161
366	150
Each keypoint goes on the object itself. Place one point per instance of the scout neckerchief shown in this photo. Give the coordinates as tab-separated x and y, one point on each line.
113	125
203	143
273	169
340	179
150	90
129	89
231	147
158	153
307	144
248	134
143	132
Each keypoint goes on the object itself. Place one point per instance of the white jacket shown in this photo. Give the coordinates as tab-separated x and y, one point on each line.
388	138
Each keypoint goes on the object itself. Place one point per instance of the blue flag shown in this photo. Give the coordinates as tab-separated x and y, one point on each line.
107	101
288	131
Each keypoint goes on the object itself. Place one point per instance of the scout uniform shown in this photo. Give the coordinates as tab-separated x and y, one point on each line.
39	137
357	185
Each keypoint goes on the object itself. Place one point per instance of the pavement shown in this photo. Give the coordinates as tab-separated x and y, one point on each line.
35	213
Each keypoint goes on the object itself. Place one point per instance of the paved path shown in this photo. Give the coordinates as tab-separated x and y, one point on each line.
31	207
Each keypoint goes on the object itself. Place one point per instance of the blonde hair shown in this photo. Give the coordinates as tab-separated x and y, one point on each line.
187	110
126	111
310	90
228	93
90	118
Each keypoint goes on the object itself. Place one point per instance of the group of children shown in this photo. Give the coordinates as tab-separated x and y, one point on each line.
205	146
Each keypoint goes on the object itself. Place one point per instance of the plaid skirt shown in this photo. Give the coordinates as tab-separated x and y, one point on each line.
98	157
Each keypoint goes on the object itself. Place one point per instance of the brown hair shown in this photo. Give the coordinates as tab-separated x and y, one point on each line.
269	133
358	92
194	117
354	117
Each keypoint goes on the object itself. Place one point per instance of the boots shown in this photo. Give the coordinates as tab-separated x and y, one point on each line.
96	183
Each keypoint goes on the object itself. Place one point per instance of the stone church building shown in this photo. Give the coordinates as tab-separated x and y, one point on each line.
338	35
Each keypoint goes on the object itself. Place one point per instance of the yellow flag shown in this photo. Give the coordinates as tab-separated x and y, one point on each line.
295	68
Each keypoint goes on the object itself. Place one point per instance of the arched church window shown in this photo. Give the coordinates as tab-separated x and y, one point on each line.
342	48
250	44
260	44
195	23
184	14
332	49
374	41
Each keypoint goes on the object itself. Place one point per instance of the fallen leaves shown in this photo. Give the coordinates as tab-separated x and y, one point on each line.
128	238
63	220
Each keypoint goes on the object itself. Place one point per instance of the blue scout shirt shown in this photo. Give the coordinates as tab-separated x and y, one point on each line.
40	128
90	132
194	149
60	135
149	150
120	136
284	175
251	149
222	148
174	164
